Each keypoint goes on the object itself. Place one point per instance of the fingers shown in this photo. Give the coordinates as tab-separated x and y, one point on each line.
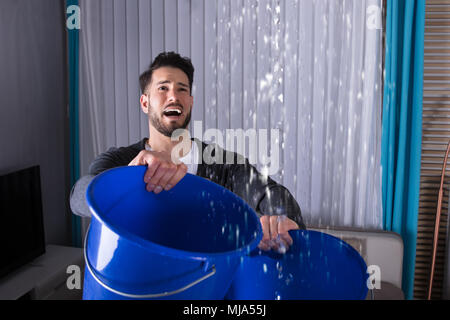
273	227
275	233
169	176
161	173
152	166
179	174
287	239
146	158
285	224
265	241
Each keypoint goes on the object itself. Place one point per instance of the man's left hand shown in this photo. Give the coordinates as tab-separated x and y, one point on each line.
275	233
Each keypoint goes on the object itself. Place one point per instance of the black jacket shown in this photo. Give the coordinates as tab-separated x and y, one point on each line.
262	193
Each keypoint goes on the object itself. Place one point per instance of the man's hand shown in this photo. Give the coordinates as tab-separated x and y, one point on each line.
275	233
162	173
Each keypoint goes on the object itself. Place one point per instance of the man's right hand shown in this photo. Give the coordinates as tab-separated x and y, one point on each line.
162	173
275	233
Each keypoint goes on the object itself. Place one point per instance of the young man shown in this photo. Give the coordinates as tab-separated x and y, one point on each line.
166	98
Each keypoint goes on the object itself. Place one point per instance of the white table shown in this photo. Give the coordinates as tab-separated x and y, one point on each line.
45	277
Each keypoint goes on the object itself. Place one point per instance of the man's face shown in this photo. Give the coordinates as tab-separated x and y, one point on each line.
167	100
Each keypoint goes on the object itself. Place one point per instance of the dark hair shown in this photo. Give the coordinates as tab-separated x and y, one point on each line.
168	59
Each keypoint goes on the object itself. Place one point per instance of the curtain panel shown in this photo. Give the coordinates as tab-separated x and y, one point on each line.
402	127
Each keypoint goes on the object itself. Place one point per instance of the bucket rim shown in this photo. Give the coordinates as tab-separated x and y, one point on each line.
166	250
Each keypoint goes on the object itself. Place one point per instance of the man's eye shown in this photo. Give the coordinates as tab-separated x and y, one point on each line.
162	88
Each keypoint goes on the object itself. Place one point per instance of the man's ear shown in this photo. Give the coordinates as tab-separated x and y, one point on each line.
145	103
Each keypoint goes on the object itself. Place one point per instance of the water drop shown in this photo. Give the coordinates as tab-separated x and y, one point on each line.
263	84
359	95
279	267
289	279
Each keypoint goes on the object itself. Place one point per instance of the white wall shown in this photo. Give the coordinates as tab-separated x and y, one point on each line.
33	118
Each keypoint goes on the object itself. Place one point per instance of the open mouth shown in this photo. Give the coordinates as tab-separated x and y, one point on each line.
172	113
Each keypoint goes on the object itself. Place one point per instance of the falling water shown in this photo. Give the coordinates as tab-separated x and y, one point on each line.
267	102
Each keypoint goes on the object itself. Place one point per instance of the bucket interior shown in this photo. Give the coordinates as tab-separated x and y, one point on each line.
317	266
195	216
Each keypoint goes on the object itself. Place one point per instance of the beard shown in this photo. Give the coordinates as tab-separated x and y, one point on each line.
167	130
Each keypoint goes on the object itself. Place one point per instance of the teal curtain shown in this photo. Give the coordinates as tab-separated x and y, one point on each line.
402	126
73	58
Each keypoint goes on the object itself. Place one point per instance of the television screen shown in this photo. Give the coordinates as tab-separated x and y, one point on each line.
21	220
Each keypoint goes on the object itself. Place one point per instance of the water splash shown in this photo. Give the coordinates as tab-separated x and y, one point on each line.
289	279
280	270
277	295
279	266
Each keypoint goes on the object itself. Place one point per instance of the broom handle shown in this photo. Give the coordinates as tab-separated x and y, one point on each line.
437	222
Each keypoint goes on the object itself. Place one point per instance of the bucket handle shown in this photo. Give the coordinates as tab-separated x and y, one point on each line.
142	296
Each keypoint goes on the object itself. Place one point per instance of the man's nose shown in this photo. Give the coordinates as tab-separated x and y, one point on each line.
172	96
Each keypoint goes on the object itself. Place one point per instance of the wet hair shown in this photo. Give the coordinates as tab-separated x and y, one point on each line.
168	59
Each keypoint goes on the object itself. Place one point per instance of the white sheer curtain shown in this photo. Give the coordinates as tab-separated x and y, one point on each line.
311	69
340	113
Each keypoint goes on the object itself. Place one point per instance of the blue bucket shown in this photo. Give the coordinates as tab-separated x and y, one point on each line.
185	243
317	266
